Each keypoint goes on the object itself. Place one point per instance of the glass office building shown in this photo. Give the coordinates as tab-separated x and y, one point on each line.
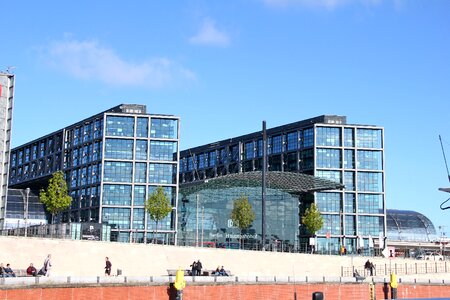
325	147
112	162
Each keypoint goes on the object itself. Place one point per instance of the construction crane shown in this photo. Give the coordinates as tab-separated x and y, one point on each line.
443	205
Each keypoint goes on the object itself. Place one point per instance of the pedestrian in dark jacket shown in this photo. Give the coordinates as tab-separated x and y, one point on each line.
199	268
194	268
108	266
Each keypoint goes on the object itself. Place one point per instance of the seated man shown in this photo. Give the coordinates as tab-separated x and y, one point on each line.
8	271
2	270
31	270
223	272
358	276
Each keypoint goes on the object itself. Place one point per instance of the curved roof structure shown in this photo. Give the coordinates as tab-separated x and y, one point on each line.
408	225
292	183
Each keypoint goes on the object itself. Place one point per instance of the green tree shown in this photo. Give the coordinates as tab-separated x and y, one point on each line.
158	207
242	214
55	198
312	219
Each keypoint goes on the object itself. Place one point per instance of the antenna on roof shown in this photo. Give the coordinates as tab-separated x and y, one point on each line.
448	175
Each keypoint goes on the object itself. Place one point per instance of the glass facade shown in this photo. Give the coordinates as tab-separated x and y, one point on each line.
326	147
205	217
110	160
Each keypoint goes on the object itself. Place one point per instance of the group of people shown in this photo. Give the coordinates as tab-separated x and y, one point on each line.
196	268
369	267
220	272
31	270
6	271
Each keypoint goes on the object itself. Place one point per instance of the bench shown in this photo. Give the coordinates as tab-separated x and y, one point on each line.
205	272
358	277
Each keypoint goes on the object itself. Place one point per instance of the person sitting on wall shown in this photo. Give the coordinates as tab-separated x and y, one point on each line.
357	276
217	271
31	270
223	272
2	271
8	271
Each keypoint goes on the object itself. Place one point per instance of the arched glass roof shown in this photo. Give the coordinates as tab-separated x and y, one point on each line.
292	183
408	225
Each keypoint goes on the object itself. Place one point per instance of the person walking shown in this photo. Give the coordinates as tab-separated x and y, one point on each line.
48	265
108	266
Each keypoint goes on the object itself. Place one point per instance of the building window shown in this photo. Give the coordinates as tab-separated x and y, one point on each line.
349	140
349	159
329	202
349	181
329	158
212	159
370	225
164	128
368	138
76	136
119	149
331	175
292	141
350	225
249	150
98	128
350	203
75	156
370	182
117	218
164	224
141	150
163	151
369	160
142	127
370	203
140	172
307	159
328	136
331	224
276	144
114	194
161	173
139	195
138	218
97	151
308	138
119	126
118	171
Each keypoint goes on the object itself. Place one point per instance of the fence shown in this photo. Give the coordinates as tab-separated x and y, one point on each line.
402	268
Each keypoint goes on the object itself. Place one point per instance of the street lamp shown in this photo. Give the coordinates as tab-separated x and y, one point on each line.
27	194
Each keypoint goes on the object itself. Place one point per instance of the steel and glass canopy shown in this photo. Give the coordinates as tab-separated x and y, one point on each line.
292	183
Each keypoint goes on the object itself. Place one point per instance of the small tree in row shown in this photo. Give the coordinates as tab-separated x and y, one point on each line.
242	215
158	207
55	198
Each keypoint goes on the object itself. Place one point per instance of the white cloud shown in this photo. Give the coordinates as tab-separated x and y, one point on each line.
327	4
90	61
211	36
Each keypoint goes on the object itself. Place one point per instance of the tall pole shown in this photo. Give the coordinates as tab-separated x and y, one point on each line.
196	222
203	213
27	194
263	194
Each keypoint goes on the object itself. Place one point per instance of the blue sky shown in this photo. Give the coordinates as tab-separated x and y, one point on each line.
224	66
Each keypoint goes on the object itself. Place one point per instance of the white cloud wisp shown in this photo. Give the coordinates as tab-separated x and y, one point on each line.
209	35
90	61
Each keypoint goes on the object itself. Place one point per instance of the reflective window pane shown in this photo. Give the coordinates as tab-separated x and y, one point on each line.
119	126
